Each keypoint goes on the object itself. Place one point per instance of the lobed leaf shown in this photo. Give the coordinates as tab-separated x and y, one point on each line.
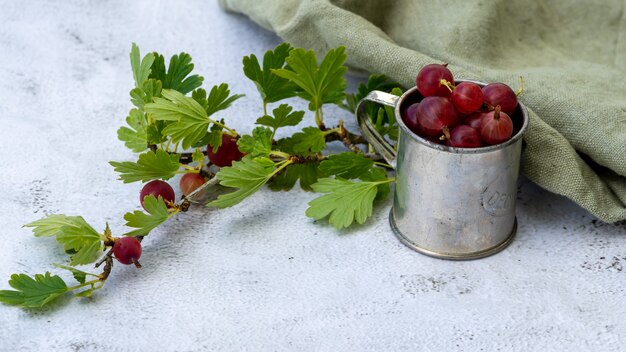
346	165
150	166
247	175
74	233
177	75
282	117
306	173
144	223
346	202
33	292
134	137
271	86
259	144
320	85
140	67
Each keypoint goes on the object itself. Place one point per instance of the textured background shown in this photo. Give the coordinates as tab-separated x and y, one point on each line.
259	276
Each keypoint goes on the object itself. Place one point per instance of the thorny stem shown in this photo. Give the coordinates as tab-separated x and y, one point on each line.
345	139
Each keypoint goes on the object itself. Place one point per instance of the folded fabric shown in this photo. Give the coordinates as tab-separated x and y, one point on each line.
571	53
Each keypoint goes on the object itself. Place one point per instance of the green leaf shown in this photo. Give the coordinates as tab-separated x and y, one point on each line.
282	117
345	203
199	95
74	233
248	175
310	140
257	145
33	292
271	87
135	138
190	119
177	75
155	132
377	174
198	156
79	275
346	165
320	85
141	70
146	94
213	137
219	99
150	166
374	82
144	223
307	173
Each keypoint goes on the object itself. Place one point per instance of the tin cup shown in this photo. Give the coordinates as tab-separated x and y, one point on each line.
450	203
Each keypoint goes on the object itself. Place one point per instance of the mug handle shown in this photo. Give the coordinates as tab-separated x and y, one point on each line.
372	136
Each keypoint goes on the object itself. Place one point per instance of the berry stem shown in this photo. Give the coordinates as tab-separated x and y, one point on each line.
496	113
447	84
521	86
446	133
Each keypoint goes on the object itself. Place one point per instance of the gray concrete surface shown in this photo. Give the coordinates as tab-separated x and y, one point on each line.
260	276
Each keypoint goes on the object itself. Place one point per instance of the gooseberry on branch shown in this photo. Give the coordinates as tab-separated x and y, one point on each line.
157	188
127	250
190	182
226	153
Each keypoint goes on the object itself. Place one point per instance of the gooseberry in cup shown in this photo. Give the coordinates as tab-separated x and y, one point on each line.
473	120
429	78
409	116
463	136
496	127
500	94
467	97
434	113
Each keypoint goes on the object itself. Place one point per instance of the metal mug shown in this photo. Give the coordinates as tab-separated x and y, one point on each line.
450	203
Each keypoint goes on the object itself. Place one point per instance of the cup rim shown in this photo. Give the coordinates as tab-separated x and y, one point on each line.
456	150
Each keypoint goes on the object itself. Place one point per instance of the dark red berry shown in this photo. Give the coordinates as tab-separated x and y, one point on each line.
474	119
157	188
127	250
226	153
434	113
464	136
467	97
410	118
496	127
429	80
500	94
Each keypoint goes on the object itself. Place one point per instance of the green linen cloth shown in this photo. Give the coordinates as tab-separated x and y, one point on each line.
571	53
